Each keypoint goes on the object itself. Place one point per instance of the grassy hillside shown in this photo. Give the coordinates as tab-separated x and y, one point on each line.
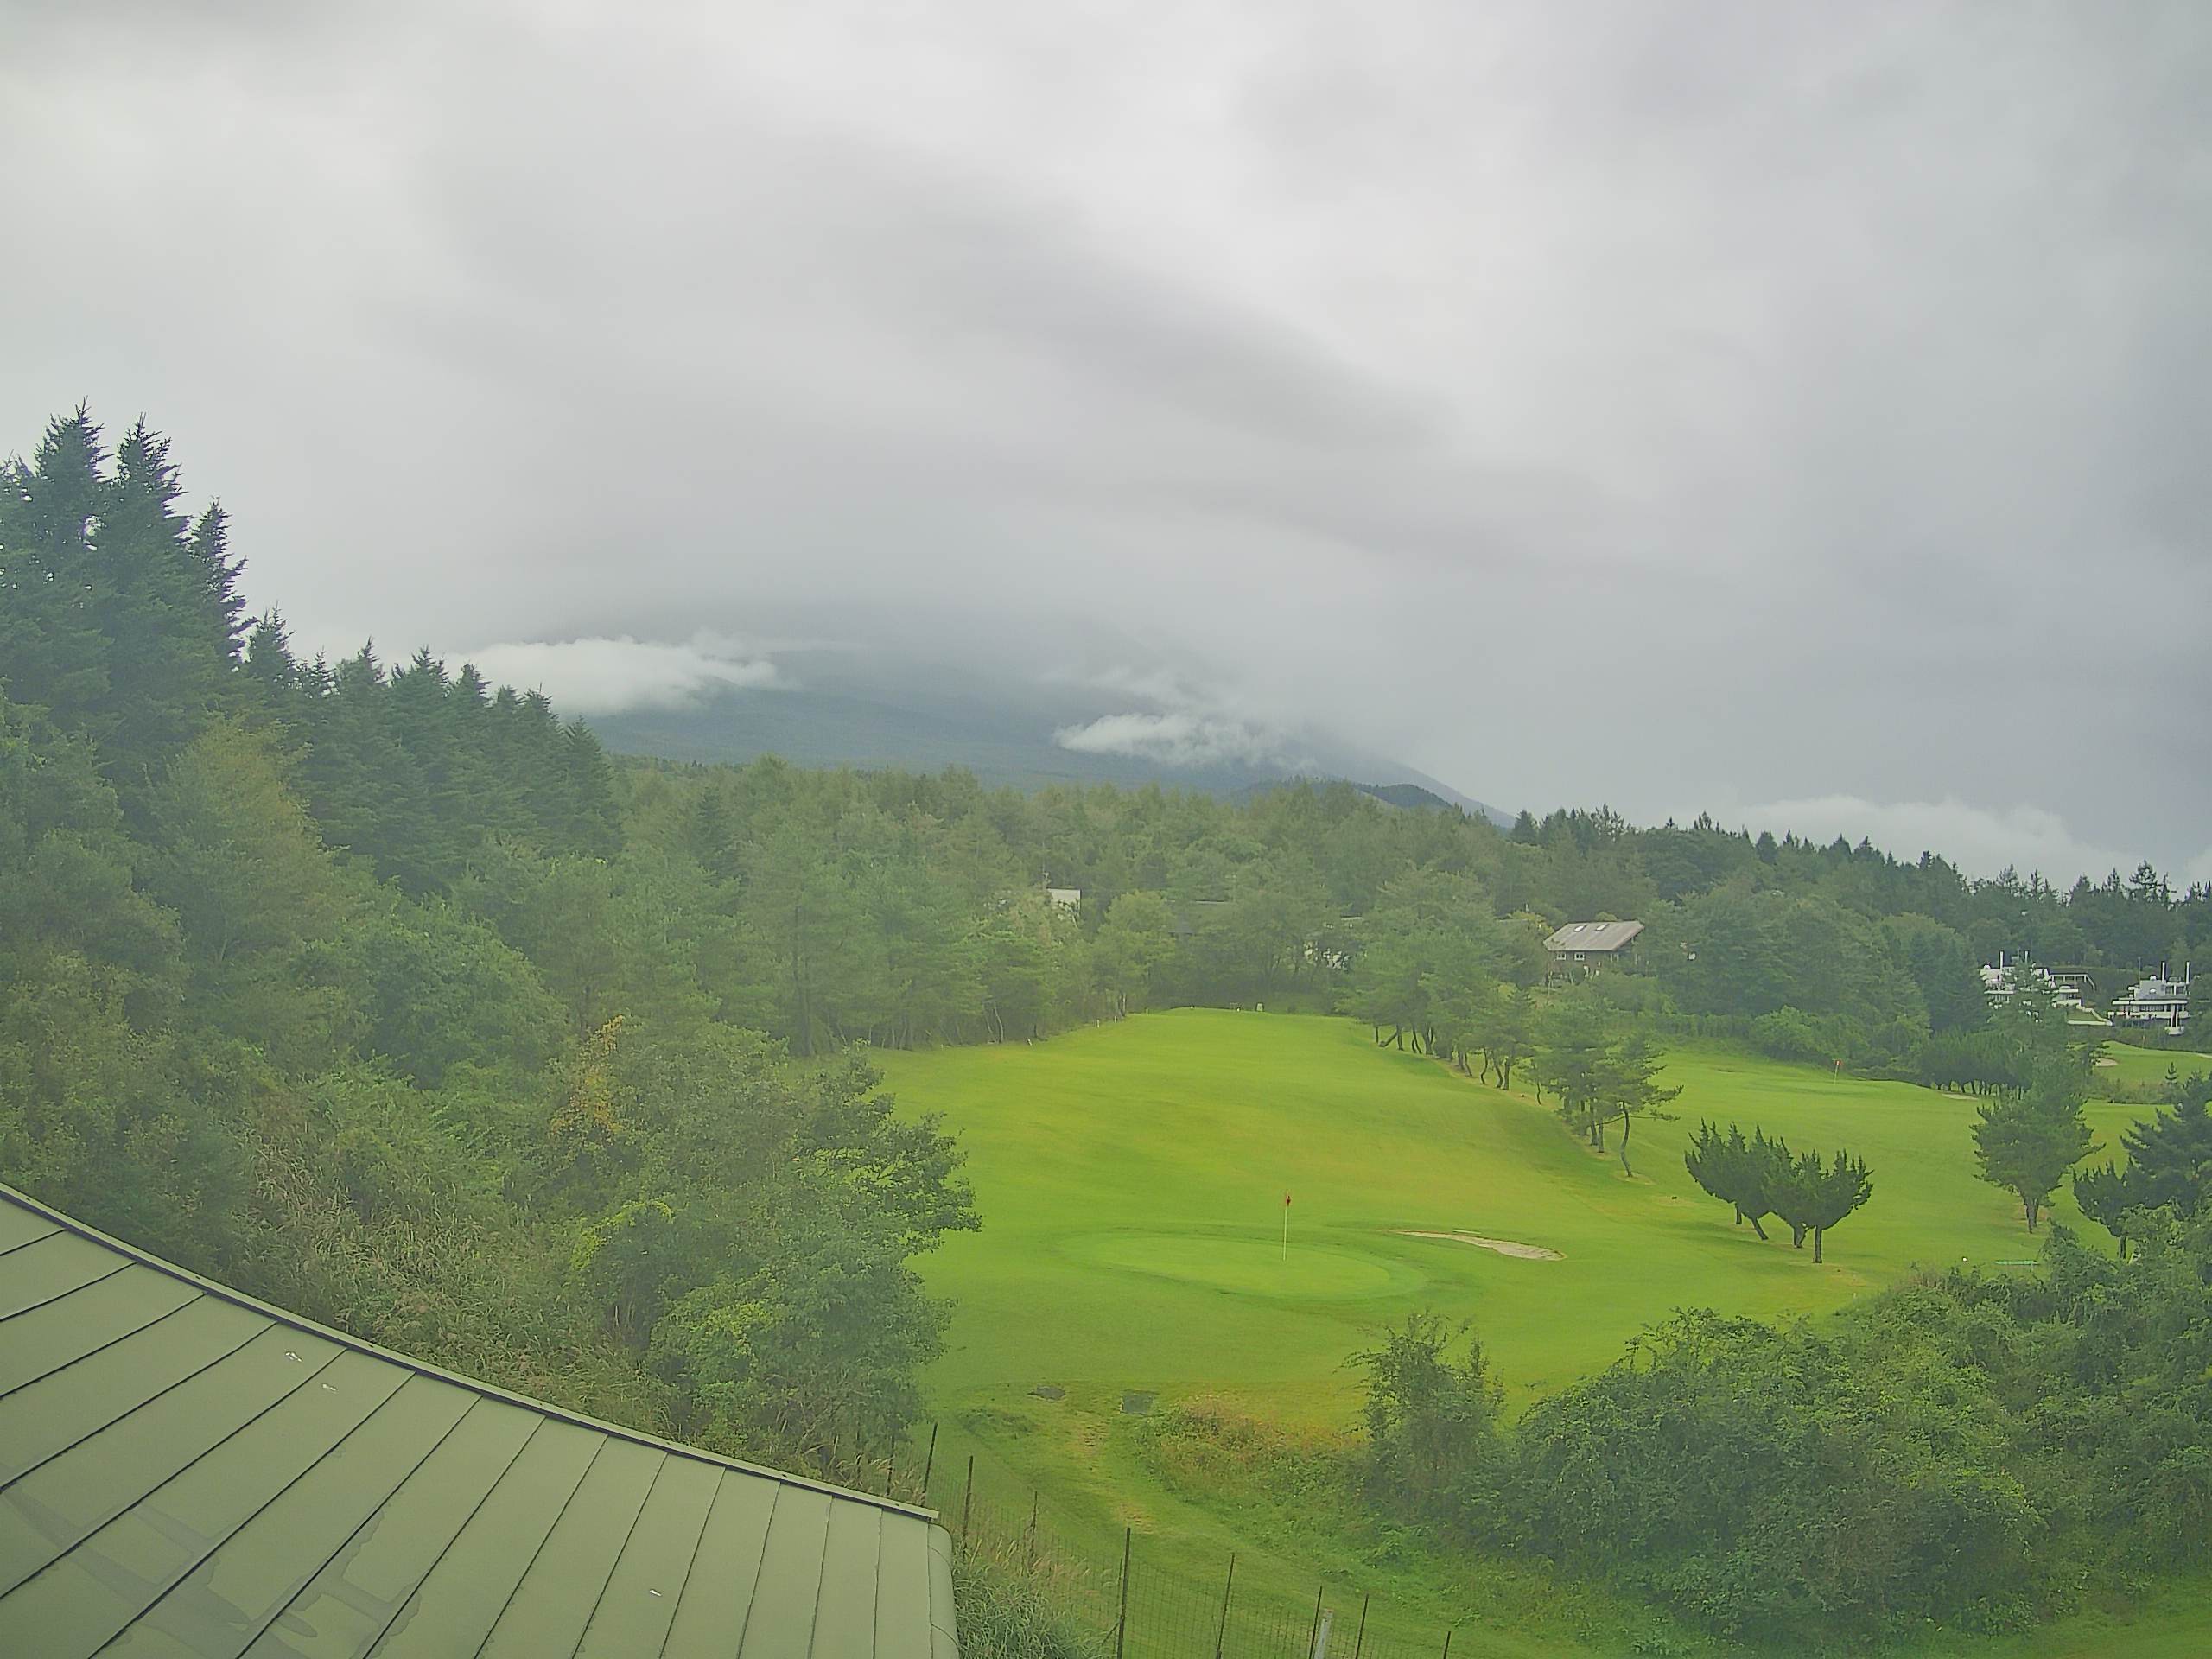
1131	1180
2126	1064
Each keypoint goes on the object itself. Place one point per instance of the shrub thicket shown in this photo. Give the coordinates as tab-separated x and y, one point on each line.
1964	1449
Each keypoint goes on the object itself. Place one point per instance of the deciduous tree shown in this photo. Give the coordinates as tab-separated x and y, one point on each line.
2025	1145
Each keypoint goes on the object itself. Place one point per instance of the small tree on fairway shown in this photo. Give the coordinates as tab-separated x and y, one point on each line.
2170	1157
1765	1173
2106	1195
2169	1164
1823	1194
1750	1175
1627	1089
2026	1145
1510	1033
1795	1186
1708	1163
1572	1062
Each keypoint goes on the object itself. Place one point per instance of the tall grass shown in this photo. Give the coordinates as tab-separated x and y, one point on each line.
1009	1609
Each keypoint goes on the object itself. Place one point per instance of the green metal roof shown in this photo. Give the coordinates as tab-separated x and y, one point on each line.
187	1473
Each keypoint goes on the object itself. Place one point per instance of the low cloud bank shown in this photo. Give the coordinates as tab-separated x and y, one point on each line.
1180	739
614	676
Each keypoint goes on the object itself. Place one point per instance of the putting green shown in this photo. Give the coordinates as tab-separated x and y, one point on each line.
1248	1267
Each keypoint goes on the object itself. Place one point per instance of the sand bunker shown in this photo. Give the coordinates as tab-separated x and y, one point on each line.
1503	1245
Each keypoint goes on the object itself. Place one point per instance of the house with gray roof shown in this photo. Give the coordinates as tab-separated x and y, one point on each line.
1585	947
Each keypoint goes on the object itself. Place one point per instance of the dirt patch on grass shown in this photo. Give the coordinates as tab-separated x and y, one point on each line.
1503	1245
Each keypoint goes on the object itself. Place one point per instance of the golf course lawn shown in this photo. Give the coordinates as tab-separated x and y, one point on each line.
1131	1180
2129	1064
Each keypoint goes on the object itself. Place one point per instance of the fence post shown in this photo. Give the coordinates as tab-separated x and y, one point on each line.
929	1462
1447	1644
1321	1634
1121	1618
1359	1642
967	1497
1221	1630
1030	1565
891	1467
1313	1634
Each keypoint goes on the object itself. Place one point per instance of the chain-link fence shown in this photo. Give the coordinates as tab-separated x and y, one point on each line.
1141	1610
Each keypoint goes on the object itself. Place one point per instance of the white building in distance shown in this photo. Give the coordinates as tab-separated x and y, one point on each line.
2159	1002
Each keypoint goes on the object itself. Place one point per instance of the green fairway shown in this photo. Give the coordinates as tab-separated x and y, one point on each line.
1131	1180
1316	1272
2124	1063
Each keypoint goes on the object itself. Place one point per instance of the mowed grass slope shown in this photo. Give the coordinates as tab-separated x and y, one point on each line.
2126	1064
1131	1178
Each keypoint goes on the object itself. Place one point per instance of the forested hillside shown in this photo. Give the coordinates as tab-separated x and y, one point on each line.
338	984
383	992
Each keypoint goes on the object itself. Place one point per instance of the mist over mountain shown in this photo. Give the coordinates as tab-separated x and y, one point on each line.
829	707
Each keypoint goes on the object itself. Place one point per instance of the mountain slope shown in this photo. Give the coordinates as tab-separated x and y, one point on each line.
845	708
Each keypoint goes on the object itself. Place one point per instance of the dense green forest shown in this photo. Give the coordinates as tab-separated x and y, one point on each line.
342	985
380	991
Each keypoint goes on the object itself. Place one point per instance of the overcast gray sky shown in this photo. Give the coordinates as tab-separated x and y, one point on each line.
1799	410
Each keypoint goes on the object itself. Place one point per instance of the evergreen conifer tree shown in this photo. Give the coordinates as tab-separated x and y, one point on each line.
52	653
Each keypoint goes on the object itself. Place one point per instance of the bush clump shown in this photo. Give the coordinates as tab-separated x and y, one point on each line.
1962	1450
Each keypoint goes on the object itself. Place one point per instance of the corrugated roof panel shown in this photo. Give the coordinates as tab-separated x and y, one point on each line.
19	1226
944	1643
60	1333
715	1598
87	1597
463	1595
234	1594
781	1620
69	1497
44	1419
358	1593
50	1267
904	1562
640	1603
553	1601
844	1609
185	1473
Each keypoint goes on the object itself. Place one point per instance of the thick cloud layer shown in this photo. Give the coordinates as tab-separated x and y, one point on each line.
1670	405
